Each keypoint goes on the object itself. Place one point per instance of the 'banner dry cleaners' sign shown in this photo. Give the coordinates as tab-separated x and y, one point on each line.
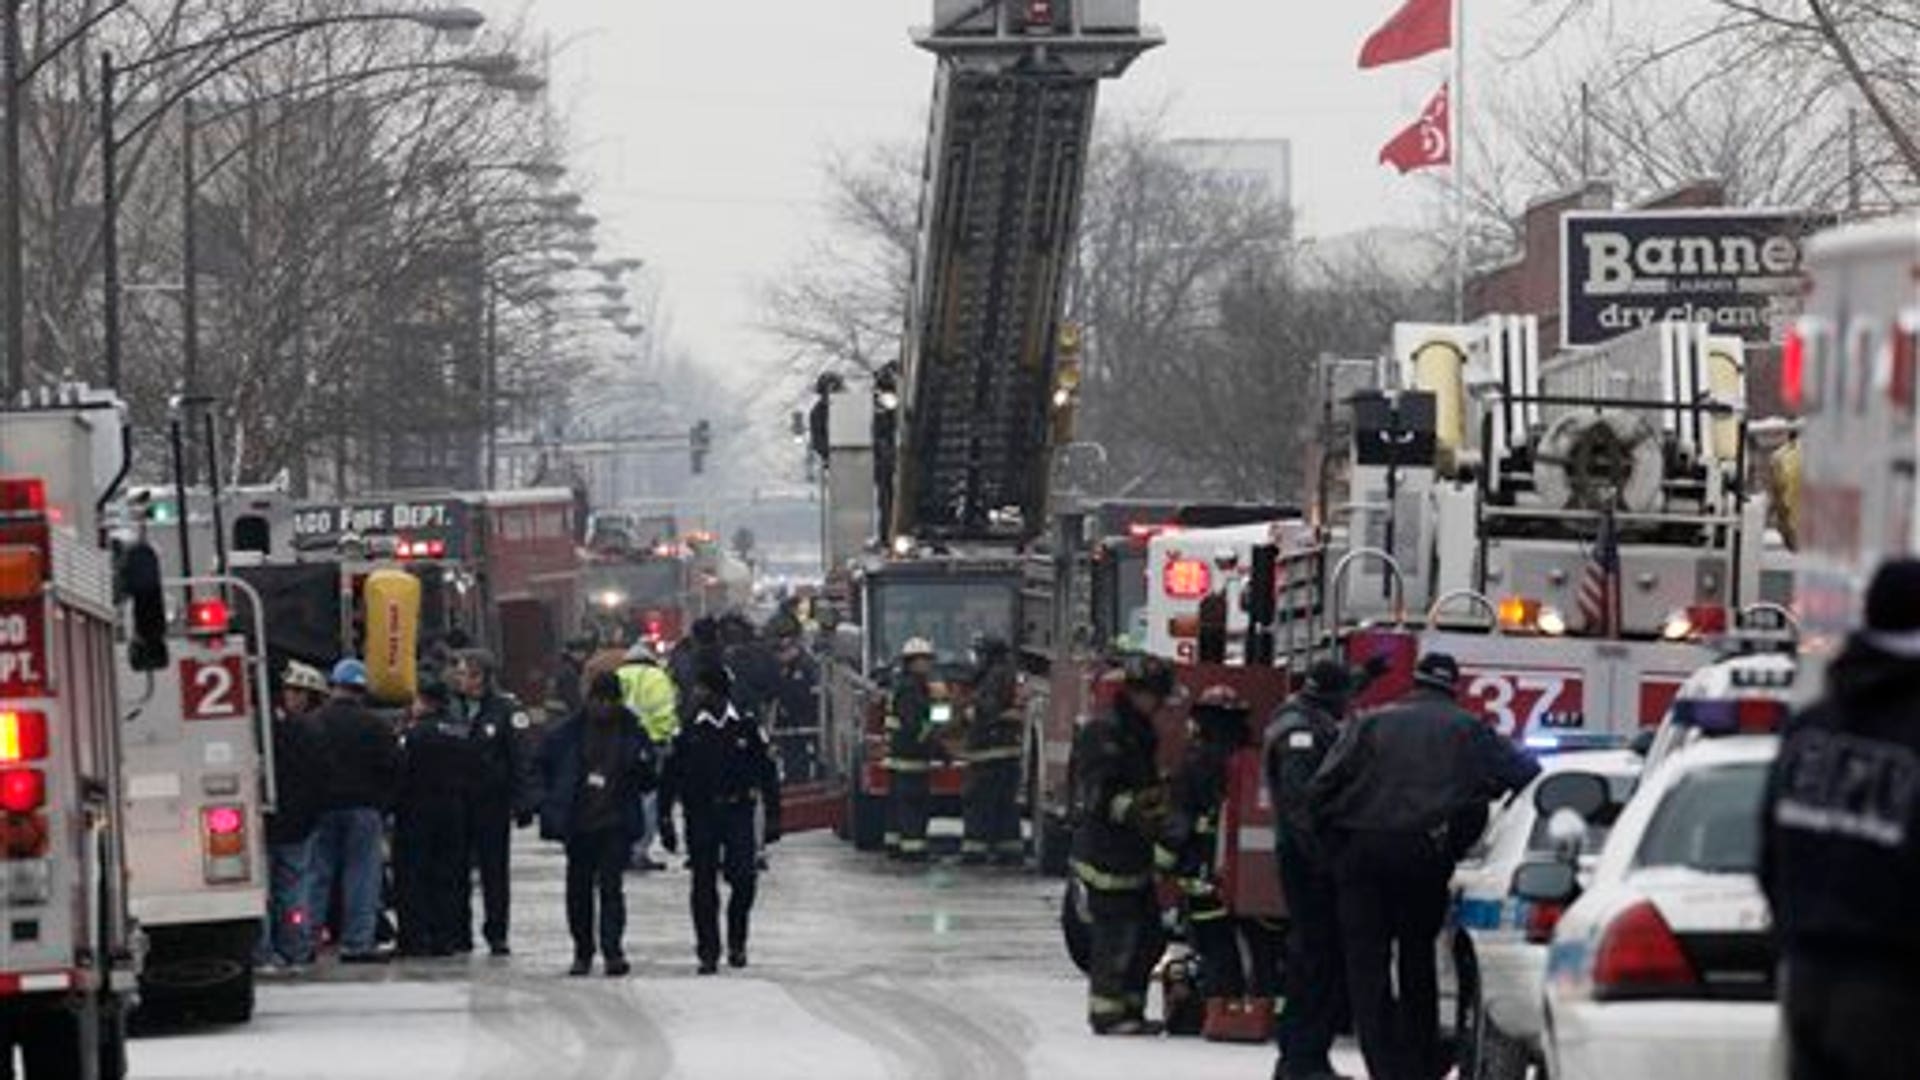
1736	270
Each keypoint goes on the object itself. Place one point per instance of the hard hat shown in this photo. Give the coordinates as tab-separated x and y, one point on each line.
1221	698
918	647
350	673
301	676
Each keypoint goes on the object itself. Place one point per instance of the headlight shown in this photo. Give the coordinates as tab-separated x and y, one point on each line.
612	598
1550	622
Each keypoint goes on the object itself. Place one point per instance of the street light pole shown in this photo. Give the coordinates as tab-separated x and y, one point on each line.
109	229
15	270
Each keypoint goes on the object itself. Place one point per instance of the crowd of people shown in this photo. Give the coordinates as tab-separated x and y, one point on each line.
1373	814
386	818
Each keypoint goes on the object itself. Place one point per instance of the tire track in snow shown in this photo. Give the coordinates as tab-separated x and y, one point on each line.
957	1035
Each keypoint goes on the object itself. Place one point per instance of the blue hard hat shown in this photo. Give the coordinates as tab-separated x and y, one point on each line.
349	672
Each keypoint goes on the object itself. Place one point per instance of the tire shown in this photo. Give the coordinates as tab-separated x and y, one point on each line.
231	1002
869	817
1074	930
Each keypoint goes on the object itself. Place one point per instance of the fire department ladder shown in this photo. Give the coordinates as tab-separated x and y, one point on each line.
1006	162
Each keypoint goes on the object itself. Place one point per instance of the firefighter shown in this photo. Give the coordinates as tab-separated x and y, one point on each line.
1388	799
504	793
995	738
649	692
1840	851
1302	732
1237	1006
722	774
1122	807
910	735
439	760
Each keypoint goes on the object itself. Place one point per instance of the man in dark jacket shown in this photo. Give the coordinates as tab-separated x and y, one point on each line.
797	709
431	867
362	759
1121	804
1387	800
300	782
911	730
504	794
996	735
596	767
721	772
1840	858
1298	740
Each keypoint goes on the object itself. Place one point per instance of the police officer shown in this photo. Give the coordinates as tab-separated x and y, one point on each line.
1297	741
1122	807
439	761
1237	1001
910	747
504	793
1840	857
721	772
995	737
1388	798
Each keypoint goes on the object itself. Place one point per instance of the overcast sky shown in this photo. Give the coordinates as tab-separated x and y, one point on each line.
702	123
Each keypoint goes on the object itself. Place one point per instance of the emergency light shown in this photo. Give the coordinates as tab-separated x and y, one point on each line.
1732	716
22	791
421	549
1187	579
22	495
21	571
23	736
208	616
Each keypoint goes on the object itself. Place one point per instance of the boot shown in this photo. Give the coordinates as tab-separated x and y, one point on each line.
1219	1023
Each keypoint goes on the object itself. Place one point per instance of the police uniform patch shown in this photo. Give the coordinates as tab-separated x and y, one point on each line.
1300	740
521	721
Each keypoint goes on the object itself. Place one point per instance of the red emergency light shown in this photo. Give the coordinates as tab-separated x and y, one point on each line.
22	791
22	495
1039	12
1187	579
421	549
23	736
208	616
224	821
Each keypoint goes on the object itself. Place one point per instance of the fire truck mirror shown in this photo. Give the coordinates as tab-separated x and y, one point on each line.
140	587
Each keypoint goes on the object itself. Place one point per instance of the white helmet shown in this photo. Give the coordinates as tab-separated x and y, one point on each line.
918	647
301	676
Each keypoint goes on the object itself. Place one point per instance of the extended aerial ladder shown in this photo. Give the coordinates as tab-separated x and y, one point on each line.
1006	164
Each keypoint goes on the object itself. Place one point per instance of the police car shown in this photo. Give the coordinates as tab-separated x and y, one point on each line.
1760	686
1664	966
1499	951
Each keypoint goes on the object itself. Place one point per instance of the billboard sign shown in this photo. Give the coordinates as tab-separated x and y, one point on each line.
1738	271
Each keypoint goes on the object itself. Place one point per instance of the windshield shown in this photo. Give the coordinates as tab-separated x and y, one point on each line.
947	613
1710	821
640	584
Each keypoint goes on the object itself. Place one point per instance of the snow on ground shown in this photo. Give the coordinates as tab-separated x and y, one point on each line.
860	970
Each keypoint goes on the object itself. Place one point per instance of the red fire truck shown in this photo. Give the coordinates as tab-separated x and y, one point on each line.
68	962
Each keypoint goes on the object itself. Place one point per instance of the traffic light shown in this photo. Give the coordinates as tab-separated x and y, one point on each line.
699	441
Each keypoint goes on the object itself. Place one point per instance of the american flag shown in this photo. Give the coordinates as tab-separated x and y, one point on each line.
1600	587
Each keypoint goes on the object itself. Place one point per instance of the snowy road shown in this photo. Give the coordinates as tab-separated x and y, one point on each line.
860	970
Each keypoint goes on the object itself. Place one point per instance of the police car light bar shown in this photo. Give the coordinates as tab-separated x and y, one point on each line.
1741	716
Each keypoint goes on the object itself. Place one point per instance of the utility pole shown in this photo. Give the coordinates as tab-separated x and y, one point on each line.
190	279
14	91
110	215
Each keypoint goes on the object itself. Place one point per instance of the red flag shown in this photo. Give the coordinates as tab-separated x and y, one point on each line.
1418	28
1427	143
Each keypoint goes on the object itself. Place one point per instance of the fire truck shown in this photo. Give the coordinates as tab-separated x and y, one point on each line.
1849	368
966	432
635	580
1575	531
68	966
501	568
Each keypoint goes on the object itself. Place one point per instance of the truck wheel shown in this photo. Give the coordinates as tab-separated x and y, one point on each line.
869	821
231	1002
1074	929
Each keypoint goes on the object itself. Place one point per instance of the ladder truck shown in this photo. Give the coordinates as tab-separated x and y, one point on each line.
963	482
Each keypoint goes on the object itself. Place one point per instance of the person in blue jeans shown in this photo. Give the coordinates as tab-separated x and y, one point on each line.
286	938
362	757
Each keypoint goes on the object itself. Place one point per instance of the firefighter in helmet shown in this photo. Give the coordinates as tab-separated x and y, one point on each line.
911	728
995	735
1239	1002
1122	807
